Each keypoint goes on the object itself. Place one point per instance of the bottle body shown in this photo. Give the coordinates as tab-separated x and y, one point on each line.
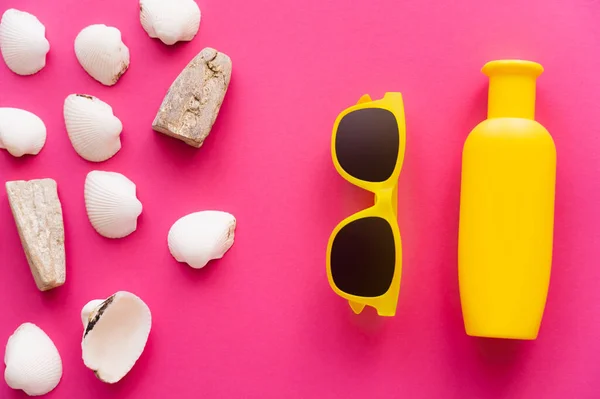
506	227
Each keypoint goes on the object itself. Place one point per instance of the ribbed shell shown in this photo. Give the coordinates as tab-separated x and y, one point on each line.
115	335
111	204
23	42
201	237
102	53
21	132
32	361
170	20
93	129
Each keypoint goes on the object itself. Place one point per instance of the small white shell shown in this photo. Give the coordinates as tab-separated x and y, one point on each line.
170	21
93	128
102	53
88	309
111	204
21	132
115	335
32	361
23	42
201	237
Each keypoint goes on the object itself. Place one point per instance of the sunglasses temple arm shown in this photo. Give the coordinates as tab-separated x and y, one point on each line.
395	200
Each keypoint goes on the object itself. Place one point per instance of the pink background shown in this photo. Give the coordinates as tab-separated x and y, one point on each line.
263	322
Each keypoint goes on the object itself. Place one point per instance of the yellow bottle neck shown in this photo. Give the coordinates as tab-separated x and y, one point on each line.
512	88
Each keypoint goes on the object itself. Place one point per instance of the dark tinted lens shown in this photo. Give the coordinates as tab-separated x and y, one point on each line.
363	257
367	144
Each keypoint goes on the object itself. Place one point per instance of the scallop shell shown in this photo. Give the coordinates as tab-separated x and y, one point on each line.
23	42
115	335
32	361
111	203
170	21
93	128
102	53
201	237
21	132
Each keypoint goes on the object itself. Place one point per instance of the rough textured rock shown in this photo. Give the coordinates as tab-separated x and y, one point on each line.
192	104
38	215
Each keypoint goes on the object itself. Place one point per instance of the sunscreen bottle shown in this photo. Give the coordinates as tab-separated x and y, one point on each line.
507	209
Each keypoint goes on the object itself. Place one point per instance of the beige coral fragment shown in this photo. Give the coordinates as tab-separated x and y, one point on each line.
192	104
38	215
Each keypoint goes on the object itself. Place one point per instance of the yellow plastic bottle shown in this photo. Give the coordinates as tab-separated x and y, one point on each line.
507	209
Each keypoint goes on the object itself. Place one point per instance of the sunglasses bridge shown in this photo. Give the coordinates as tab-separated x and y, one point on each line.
387	198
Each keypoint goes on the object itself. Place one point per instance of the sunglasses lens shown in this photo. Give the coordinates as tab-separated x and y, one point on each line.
363	257
367	144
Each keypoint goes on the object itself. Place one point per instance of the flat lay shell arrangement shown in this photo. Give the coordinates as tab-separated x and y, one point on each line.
115	329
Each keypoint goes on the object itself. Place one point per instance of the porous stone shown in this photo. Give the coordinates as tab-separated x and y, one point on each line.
192	104
38	215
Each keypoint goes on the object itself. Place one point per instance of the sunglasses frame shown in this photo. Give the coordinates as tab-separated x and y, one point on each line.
385	206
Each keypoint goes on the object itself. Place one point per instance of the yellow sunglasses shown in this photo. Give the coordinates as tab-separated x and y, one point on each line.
364	253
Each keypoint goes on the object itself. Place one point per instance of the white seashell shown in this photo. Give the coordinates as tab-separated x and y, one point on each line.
23	42
93	128
102	53
115	335
111	204
21	132
170	21
201	237
32	361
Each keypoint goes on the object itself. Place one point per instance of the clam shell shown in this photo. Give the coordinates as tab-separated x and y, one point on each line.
32	361
170	21
93	129
102	53
21	132
115	335
201	237
23	42
111	203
